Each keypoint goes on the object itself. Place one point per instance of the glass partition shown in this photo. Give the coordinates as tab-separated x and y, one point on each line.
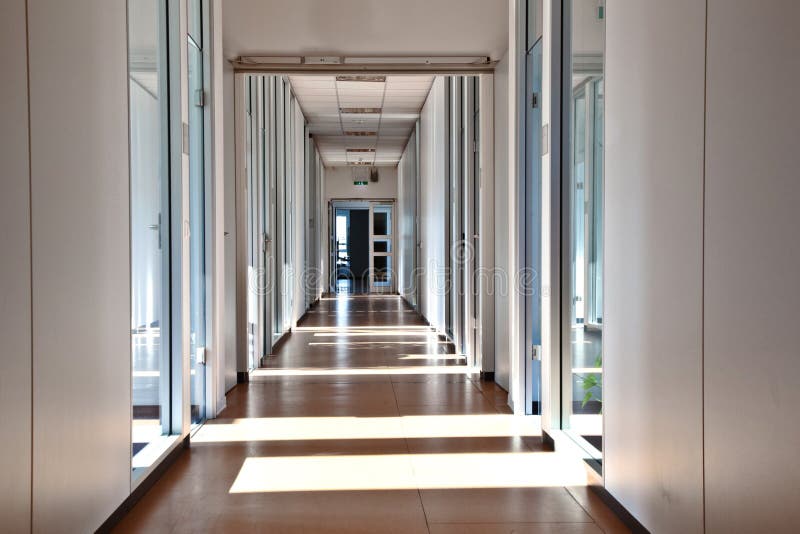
149	231
197	221
582	384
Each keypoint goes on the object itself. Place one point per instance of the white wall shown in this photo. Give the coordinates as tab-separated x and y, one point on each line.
339	184
229	330
654	251
486	180
367	27
300	223
406	219
501	221
701	265
752	253
81	262
433	181
15	273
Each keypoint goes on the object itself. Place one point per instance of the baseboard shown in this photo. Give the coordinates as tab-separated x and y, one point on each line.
281	341
242	377
620	511
548	442
143	487
487	376
306	313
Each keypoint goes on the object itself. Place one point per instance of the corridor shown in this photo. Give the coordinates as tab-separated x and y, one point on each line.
364	421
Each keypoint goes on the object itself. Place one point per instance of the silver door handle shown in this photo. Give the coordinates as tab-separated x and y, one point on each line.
157	228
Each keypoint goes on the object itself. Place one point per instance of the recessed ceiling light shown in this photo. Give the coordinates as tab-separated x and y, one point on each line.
370	150
360	134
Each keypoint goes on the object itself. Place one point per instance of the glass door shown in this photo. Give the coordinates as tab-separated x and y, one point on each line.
475	218
381	273
150	231
251	137
258	158
341	260
533	231
197	214
582	248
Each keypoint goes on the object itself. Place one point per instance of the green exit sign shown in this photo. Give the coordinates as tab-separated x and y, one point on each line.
360	183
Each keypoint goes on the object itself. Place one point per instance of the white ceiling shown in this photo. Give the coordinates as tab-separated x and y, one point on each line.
399	99
365	27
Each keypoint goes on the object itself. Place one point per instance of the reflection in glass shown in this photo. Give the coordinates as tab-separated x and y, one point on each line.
583	383
149	213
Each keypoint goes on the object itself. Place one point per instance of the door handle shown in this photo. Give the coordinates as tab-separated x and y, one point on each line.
157	228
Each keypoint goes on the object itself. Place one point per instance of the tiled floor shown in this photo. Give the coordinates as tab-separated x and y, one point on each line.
360	424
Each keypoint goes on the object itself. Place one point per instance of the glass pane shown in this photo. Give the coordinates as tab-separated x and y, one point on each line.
577	207
596	250
583	385
382	270
381	223
250	129
196	21
381	245
149	212
535	19
197	265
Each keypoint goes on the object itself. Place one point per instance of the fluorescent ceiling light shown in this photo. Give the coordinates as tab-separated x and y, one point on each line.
360	134
361	150
371	111
362	78
418	60
271	60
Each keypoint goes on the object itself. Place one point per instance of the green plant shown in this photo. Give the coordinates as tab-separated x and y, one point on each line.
591	382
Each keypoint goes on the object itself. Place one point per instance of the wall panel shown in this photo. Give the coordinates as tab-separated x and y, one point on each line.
653	324
81	273
433	247
501	224
15	273
406	217
752	253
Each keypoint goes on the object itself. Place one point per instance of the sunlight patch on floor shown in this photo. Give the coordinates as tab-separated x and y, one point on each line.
361	371
433	357
343	428
408	471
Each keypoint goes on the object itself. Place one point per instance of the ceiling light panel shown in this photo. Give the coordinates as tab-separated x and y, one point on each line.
360	111
362	78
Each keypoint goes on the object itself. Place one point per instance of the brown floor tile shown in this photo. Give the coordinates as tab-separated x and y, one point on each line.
595	507
515	528
312	406
516	505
